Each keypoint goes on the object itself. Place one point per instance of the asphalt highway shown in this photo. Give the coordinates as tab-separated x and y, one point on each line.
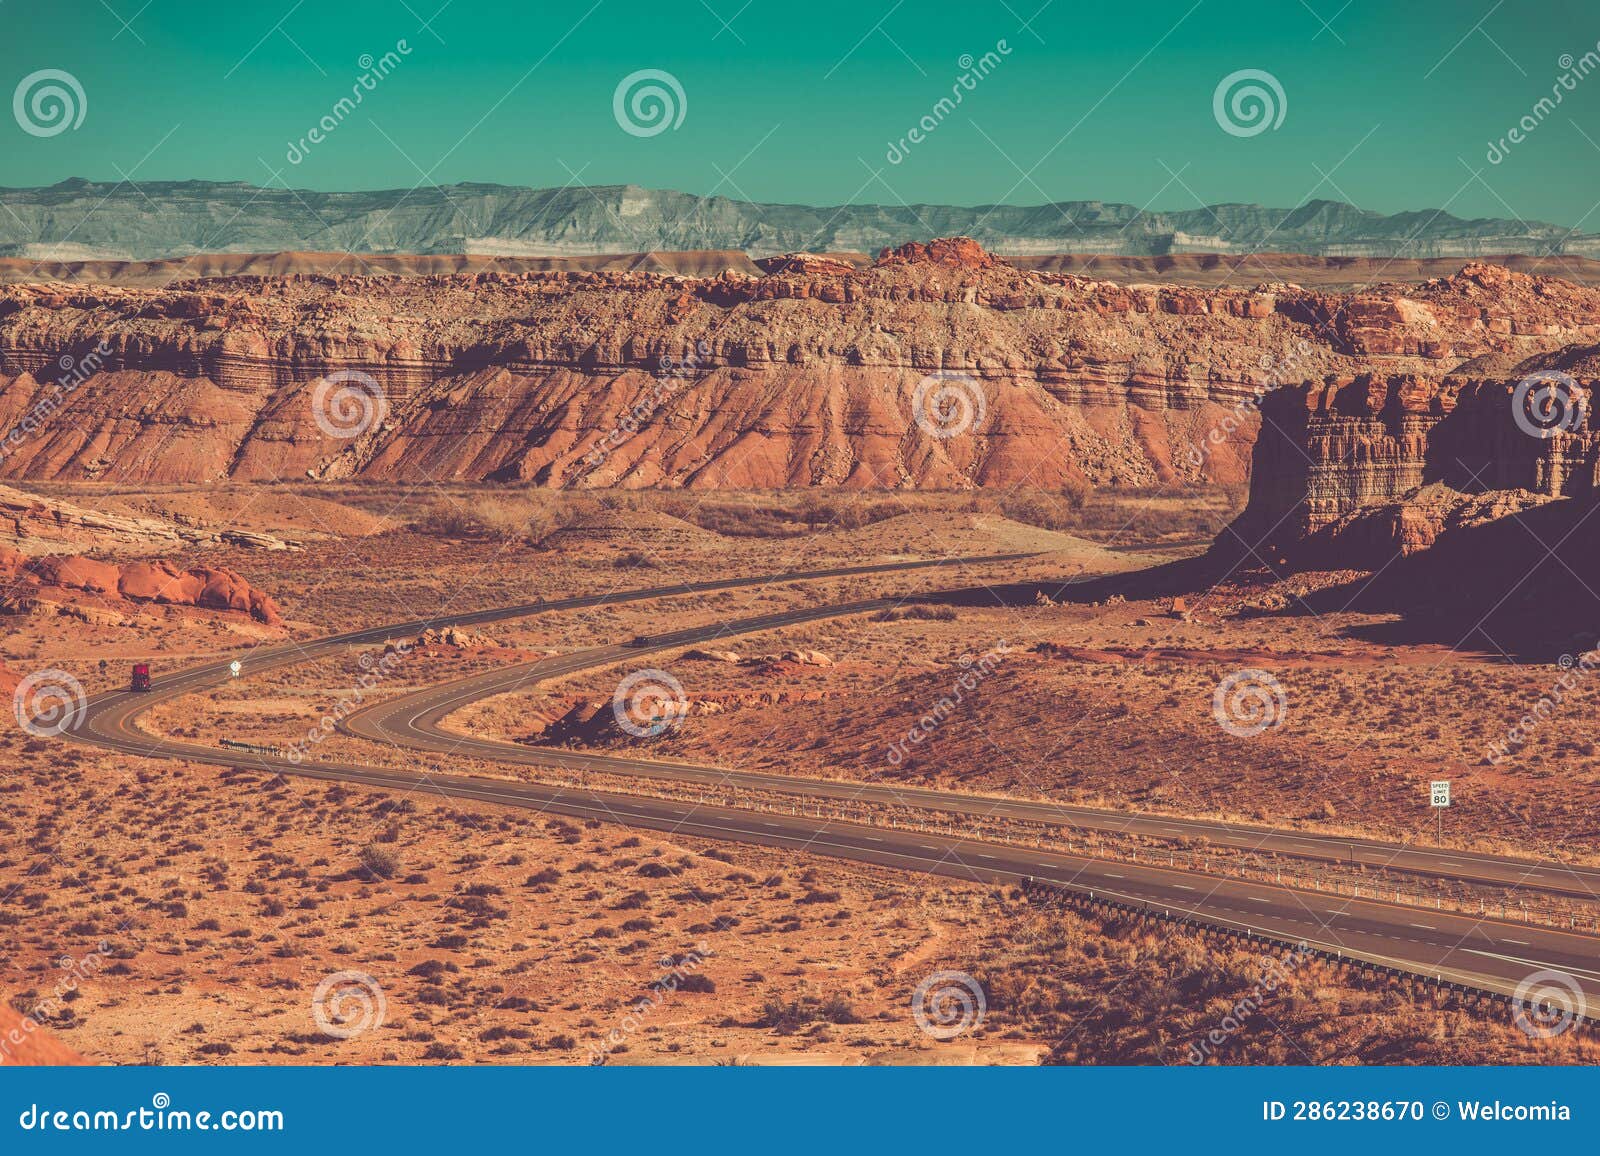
415	720
1486	953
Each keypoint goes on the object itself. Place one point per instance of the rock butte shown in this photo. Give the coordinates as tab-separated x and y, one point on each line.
1362	468
802	377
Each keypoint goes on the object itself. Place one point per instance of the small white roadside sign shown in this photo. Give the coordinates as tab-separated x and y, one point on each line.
236	666
1439	792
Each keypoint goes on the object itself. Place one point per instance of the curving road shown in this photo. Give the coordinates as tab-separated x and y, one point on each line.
1457	948
416	720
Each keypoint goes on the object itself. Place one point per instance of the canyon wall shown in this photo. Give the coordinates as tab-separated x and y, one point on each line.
1351	470
936	366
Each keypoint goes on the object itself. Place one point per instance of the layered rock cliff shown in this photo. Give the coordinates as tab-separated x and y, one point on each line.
1352	471
936	366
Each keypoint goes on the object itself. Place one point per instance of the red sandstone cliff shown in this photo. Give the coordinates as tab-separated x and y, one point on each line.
1355	471
806	376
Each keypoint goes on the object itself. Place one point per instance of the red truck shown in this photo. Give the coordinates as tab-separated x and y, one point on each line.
141	676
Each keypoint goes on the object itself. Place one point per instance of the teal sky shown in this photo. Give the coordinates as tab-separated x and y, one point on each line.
1396	103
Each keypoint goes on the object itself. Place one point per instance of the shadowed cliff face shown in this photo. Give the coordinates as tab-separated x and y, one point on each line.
1337	458
938	366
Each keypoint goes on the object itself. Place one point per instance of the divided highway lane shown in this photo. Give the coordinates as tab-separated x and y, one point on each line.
415	719
110	713
1461	949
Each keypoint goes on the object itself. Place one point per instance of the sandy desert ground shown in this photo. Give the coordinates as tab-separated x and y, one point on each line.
204	915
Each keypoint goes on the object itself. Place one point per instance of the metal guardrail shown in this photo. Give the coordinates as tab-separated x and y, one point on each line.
1085	897
253	748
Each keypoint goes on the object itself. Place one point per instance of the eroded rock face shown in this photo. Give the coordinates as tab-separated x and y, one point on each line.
28	580
1352	471
803	377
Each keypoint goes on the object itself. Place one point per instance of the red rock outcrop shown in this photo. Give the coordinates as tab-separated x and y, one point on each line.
1345	443
29	579
600	378
1354	471
955	252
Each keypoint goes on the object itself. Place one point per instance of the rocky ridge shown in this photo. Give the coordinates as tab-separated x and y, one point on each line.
39	524
806	376
79	219
57	582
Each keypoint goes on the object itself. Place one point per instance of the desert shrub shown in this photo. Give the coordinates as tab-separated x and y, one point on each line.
529	517
920	611
379	862
789	1016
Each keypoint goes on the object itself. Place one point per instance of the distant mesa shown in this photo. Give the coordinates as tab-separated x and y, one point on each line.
630	376
149	220
808	265
952	252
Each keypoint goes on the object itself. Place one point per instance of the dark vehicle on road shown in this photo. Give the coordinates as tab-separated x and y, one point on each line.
141	676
